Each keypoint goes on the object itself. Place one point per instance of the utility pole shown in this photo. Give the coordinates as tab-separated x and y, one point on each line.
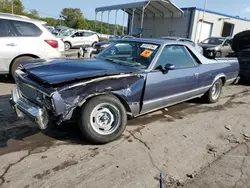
12	6
205	6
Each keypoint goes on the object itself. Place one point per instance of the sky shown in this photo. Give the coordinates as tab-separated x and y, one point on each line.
52	8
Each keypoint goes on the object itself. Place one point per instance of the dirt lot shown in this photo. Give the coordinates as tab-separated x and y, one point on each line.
192	144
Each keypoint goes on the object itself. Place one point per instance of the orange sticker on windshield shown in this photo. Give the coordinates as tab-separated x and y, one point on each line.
146	53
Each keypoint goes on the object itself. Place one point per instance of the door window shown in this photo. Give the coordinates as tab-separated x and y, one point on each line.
5	30
78	34
88	34
26	29
176	55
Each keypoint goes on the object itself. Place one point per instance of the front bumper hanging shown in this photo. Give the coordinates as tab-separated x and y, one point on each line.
24	107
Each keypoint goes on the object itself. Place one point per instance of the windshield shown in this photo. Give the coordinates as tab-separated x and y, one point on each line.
130	53
66	32
214	41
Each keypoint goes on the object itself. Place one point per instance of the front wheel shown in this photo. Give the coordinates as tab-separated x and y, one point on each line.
103	119
67	46
214	92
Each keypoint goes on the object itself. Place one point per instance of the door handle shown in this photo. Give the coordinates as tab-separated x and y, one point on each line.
196	74
11	44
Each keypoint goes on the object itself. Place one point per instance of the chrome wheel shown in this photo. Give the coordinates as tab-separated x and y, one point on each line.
105	119
216	89
66	46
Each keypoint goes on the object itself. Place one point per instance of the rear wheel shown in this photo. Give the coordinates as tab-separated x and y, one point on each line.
67	45
16	63
214	92
103	119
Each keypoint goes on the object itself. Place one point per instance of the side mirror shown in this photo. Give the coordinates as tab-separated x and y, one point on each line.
169	67
73	36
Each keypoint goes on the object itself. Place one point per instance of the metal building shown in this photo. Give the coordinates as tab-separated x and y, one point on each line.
158	18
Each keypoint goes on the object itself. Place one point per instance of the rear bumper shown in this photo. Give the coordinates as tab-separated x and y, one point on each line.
24	107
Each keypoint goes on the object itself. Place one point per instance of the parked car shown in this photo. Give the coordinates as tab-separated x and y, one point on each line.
50	28
121	81
241	47
196	46
80	37
215	47
87	51
23	38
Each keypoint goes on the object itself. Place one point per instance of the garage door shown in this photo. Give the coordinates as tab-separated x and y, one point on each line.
206	31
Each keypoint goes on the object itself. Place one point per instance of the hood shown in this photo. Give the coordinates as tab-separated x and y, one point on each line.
205	46
241	41
64	70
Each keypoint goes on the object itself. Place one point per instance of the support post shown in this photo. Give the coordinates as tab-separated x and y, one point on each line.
101	21
123	21
95	20
205	6
142	17
133	16
115	31
108	24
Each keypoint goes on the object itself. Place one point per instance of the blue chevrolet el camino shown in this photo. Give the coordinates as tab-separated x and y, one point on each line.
129	78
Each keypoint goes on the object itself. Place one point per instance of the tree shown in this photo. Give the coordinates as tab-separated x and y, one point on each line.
50	21
73	17
6	6
33	14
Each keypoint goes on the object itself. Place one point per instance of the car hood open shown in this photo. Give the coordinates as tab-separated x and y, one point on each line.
241	41
65	70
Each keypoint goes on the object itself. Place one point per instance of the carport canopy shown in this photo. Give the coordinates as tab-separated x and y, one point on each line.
152	8
155	8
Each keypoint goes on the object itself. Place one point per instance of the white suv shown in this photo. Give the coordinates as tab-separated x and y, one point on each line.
72	38
22	38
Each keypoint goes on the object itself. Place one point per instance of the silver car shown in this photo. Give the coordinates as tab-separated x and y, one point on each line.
197	47
73	38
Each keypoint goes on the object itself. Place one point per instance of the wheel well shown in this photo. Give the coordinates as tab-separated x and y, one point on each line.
223	80
68	42
30	55
122	100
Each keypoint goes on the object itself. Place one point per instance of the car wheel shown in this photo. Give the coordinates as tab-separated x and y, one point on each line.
218	54
93	44
16	63
103	119
67	46
214	92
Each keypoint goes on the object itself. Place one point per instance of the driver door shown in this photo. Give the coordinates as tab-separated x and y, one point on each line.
167	87
77	39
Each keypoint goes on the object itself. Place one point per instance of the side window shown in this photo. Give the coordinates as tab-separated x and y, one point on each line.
4	31
226	43
88	34
26	29
78	34
176	55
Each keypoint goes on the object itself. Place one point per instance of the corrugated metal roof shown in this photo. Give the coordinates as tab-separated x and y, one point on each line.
154	8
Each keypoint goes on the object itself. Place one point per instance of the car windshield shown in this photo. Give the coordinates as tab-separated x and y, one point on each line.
66	33
130	53
214	41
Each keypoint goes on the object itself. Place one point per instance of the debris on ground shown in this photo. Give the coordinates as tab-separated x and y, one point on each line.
212	150
228	127
232	139
246	136
191	176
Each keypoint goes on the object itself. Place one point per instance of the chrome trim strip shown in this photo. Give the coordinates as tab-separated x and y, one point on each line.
176	95
170	104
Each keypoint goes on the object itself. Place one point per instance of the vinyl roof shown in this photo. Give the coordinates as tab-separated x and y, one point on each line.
153	7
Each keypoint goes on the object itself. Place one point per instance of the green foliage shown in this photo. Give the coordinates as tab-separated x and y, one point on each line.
6	6
71	17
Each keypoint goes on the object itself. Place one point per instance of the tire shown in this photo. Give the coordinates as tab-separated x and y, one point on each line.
94	110
93	44
217	54
213	94
17	62
67	46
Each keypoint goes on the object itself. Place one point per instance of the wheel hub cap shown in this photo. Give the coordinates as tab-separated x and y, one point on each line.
105	119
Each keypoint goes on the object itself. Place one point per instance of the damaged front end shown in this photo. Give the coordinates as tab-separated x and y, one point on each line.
43	103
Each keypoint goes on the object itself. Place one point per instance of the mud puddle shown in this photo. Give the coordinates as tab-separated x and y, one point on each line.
30	137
